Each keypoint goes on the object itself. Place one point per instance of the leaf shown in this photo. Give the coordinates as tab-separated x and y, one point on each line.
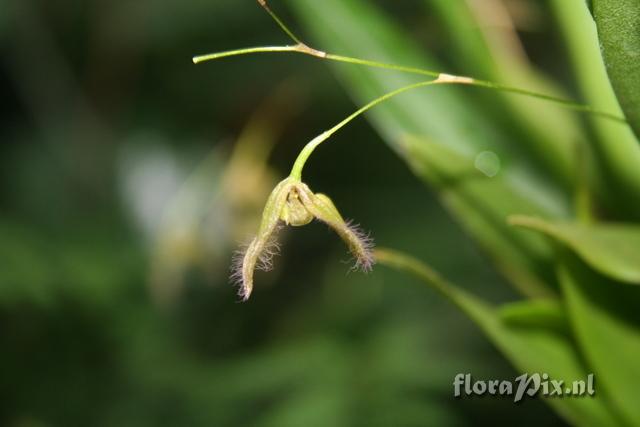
617	23
590	6
482	50
617	152
530	350
481	203
442	115
612	249
604	315
547	313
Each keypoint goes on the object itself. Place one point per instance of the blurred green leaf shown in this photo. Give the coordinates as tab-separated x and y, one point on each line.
43	271
617	22
484	51
604	316
27	273
544	313
589	5
611	249
530	350
617	152
481	203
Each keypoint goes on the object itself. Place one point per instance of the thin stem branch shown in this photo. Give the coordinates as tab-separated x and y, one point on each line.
302	47
244	51
408	264
296	170
386	66
441	78
305	49
567	103
280	23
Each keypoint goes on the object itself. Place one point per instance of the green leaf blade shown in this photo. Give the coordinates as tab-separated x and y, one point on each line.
617	152
604	316
611	249
531	350
619	34
547	313
481	204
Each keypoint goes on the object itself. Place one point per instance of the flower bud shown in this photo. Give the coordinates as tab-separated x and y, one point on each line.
293	203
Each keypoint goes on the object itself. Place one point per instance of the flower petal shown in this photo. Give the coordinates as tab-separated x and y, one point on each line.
264	246
359	243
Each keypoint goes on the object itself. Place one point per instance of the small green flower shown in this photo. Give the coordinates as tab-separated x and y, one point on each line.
292	202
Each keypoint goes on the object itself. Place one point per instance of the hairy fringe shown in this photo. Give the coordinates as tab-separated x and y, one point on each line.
364	255
264	262
265	259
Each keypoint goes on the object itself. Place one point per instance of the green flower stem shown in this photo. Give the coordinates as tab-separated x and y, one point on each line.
305	49
386	66
406	263
245	51
296	171
301	47
278	21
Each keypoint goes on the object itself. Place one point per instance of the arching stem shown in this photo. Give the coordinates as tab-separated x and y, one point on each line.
303	48
296	171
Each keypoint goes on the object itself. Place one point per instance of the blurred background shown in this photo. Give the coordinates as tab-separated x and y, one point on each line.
129	176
